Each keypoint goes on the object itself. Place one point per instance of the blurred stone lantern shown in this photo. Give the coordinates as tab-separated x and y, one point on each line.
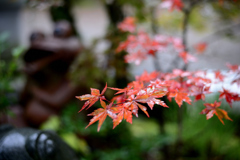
47	63
32	144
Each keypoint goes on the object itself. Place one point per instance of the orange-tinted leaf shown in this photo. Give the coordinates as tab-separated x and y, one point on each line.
128	116
99	115
122	46
220	113
104	89
147	77
148	96
119	98
85	97
212	105
103	104
89	103
92	98
143	108
118	120
159	102
95	92
159	92
180	97
212	108
134	108
101	120
119	90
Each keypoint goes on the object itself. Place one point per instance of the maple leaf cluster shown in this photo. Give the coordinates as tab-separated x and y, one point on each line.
148	88
139	45
230	97
125	105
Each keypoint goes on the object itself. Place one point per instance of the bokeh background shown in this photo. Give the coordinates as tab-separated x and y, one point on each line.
43	67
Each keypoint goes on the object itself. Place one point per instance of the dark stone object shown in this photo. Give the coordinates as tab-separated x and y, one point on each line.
32	144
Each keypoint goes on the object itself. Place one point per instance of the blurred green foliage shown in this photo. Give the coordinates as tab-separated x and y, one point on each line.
9	70
227	11
86	72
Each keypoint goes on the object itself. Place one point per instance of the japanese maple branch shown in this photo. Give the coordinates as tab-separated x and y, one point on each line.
186	13
184	34
154	29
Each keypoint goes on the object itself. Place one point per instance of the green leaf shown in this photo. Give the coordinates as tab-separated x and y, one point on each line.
76	143
16	52
53	123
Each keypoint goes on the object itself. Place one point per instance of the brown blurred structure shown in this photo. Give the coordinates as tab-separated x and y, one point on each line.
48	88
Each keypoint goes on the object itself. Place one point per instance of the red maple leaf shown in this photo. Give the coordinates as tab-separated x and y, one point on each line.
136	57
180	97
125	111
233	67
138	47
124	90
92	98
119	99
177	4
122	46
200	92
147	77
127	25
180	73
100	114
219	76
149	96
212	108
172	4
131	89
200	47
229	96
187	57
